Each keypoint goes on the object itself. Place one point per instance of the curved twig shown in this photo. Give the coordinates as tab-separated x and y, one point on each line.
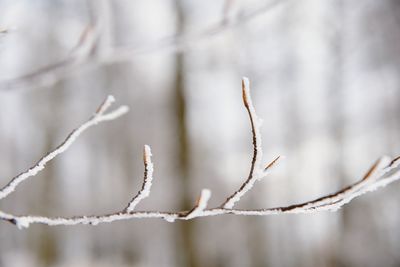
147	180
97	118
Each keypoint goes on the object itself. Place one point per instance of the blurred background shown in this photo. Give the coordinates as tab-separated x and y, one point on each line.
325	79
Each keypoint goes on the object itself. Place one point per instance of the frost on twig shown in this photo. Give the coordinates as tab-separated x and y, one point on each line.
147	180
382	173
98	117
201	205
256	171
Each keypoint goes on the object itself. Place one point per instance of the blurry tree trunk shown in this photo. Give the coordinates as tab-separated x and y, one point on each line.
258	250
187	255
336	115
47	244
45	239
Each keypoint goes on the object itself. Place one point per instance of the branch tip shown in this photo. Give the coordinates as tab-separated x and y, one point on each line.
394	161
380	164
272	163
246	91
110	98
123	109
105	105
147	180
204	197
147	154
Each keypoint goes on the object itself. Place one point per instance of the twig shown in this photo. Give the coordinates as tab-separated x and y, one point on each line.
147	180
255	169
79	57
98	117
201	205
382	173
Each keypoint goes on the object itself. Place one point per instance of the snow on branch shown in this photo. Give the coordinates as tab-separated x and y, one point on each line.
99	116
147	180
256	172
200	206
382	173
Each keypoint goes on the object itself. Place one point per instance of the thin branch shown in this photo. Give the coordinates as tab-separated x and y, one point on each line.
179	43
80	56
382	173
256	172
85	59
98	117
377	170
101	15
147	181
272	163
25	221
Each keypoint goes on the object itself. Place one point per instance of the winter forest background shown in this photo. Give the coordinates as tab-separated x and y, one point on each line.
325	79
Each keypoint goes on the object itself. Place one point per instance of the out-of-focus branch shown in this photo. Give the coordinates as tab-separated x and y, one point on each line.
382	173
228	4
101	16
96	37
84	54
79	57
178	43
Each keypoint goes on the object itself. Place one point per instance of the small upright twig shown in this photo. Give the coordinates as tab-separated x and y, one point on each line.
200	206
147	181
256	172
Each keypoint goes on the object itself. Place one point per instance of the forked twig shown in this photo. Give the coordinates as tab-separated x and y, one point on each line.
98	117
256	172
382	173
